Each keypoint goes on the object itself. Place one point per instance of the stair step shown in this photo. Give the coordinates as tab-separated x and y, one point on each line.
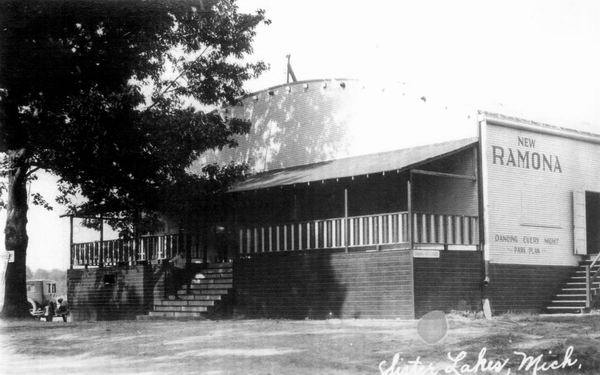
213	281
219	265
565	309
213	276
571	295
568	301
200	297
593	269
217	271
161	308
211	286
176	314
204	291
571	291
184	302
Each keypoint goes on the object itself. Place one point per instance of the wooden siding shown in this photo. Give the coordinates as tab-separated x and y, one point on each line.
112	293
325	284
450	282
535	203
524	288
443	195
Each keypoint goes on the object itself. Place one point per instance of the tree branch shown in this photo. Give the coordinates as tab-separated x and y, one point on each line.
32	171
172	82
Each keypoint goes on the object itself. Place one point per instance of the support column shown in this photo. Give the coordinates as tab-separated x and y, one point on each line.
409	208
346	227
184	240
71	242
101	260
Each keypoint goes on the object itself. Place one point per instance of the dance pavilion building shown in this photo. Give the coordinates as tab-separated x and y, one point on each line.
338	220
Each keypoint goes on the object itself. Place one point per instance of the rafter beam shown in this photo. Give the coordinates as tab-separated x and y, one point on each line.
445	175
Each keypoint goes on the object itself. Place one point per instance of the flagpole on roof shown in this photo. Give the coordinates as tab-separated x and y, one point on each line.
290	71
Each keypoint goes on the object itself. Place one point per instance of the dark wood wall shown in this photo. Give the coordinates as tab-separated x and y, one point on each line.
112	293
524	288
325	284
450	282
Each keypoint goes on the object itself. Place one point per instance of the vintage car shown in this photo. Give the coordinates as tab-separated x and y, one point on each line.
39	294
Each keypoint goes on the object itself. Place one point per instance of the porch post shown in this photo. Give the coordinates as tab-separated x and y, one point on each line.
204	243
71	241
409	209
184	240
101	261
346	229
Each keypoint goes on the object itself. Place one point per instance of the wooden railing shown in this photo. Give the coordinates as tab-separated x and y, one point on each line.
132	251
351	232
445	229
590	279
357	231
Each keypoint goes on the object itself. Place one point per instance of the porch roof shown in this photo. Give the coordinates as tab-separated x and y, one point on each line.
353	166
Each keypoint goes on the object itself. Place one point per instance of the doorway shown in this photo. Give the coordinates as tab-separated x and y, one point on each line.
592	218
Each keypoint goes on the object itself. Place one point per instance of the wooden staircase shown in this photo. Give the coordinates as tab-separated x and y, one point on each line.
206	295
572	296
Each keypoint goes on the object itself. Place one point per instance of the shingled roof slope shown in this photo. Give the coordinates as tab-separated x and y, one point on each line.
353	166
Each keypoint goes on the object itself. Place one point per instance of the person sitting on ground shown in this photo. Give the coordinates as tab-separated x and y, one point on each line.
49	310
62	309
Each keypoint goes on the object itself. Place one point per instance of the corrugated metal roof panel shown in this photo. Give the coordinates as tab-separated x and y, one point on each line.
352	166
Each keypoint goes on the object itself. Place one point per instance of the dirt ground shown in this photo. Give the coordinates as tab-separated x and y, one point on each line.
300	347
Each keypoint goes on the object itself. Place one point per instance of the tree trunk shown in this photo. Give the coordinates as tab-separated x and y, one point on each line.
15	232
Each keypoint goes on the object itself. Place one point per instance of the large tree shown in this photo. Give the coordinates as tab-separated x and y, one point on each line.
100	94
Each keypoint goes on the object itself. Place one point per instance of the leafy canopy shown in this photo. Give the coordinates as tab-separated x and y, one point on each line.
100	94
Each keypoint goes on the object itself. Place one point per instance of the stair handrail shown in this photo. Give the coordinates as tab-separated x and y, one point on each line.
589	280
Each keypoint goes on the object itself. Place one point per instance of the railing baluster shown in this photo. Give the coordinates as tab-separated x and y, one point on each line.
458	232
449	230
465	235
351	229
308	235
361	234
248	241
285	237
398	228
256	240
475	230
415	228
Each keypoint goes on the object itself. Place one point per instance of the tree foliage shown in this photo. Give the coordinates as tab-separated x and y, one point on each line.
100	94
73	78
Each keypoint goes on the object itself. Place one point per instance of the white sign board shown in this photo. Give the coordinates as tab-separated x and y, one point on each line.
426	254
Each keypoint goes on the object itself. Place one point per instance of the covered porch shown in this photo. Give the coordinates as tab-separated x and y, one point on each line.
429	202
425	198
395	234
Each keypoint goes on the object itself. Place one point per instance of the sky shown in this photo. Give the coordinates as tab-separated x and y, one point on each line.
534	59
